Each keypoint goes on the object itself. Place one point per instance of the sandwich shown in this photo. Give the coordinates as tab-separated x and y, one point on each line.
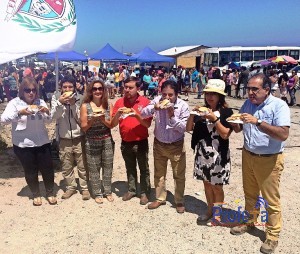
98	112
234	117
126	110
68	93
202	110
33	108
164	103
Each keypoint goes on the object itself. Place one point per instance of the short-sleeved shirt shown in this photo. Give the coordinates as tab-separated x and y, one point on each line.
130	128
273	111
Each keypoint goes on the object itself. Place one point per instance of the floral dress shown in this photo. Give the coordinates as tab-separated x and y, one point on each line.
212	159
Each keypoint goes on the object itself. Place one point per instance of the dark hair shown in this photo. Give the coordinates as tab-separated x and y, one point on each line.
134	79
172	84
69	79
26	82
161	75
221	103
88	95
265	80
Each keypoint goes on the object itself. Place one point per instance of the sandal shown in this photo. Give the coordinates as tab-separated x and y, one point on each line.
203	219
37	201
99	200
51	200
110	198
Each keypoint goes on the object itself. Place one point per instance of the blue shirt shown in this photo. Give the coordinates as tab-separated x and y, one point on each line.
147	78
195	75
273	111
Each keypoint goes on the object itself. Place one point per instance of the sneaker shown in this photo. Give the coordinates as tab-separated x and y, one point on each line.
241	229
68	194
85	195
268	246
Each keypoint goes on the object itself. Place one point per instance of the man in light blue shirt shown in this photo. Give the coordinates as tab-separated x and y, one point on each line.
266	127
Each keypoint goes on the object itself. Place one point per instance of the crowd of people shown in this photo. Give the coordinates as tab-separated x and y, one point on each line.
85	116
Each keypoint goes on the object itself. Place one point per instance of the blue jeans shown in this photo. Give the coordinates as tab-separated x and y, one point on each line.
292	95
200	89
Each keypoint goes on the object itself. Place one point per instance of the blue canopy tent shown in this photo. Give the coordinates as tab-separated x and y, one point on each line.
108	54
149	56
63	56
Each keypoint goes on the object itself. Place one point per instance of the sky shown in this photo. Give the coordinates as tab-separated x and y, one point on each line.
129	26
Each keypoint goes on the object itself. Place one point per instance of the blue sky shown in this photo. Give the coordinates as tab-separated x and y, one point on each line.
131	25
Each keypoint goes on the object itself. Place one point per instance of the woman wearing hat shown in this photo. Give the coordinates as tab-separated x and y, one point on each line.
211	145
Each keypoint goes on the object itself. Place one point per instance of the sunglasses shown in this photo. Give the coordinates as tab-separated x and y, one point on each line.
94	89
28	90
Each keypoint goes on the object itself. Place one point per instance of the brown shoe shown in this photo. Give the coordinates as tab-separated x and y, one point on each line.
180	208
241	229
68	194
127	196
268	246
156	204
86	195
144	199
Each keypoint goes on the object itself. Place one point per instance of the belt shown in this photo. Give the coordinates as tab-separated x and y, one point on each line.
263	155
172	143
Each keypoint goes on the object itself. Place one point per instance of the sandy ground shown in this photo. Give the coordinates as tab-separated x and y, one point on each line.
77	226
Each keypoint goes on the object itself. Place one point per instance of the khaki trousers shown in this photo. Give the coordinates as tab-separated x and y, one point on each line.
175	152
69	152
263	174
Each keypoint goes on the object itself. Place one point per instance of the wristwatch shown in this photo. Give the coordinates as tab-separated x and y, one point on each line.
259	121
218	118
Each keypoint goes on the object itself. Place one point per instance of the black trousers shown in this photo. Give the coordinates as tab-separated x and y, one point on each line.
1	94
137	152
33	160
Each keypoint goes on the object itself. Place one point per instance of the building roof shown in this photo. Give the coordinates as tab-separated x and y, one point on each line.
177	50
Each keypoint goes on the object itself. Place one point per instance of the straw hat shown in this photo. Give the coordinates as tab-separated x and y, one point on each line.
215	86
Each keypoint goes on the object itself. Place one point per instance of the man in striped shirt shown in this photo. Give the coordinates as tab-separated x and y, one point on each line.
170	124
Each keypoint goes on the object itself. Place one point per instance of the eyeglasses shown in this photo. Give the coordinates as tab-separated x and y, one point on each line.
253	89
94	89
28	90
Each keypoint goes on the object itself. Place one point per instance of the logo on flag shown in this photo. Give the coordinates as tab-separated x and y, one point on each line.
41	15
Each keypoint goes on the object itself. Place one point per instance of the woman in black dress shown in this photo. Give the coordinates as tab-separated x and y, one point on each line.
210	142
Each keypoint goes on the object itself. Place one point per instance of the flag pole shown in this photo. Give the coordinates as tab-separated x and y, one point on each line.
56	71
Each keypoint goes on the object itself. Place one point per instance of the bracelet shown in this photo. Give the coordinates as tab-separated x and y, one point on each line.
218	118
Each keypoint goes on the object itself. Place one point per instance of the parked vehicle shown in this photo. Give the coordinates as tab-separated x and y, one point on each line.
40	64
296	68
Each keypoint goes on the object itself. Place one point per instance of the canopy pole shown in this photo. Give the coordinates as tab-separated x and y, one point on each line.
56	71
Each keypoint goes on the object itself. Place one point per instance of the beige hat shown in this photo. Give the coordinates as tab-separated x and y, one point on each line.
215	86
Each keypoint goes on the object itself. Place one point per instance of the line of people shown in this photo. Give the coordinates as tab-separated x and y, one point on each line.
82	133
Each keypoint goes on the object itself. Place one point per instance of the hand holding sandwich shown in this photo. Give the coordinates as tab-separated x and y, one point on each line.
67	98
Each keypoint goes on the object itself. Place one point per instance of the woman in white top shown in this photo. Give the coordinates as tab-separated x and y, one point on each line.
28	115
110	84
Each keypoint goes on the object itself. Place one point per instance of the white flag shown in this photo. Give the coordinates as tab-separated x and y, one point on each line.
31	26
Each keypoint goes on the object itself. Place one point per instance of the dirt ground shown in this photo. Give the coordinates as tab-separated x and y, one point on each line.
77	226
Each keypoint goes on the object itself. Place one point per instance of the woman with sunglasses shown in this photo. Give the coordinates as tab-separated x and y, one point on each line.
28	115
211	144
99	143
